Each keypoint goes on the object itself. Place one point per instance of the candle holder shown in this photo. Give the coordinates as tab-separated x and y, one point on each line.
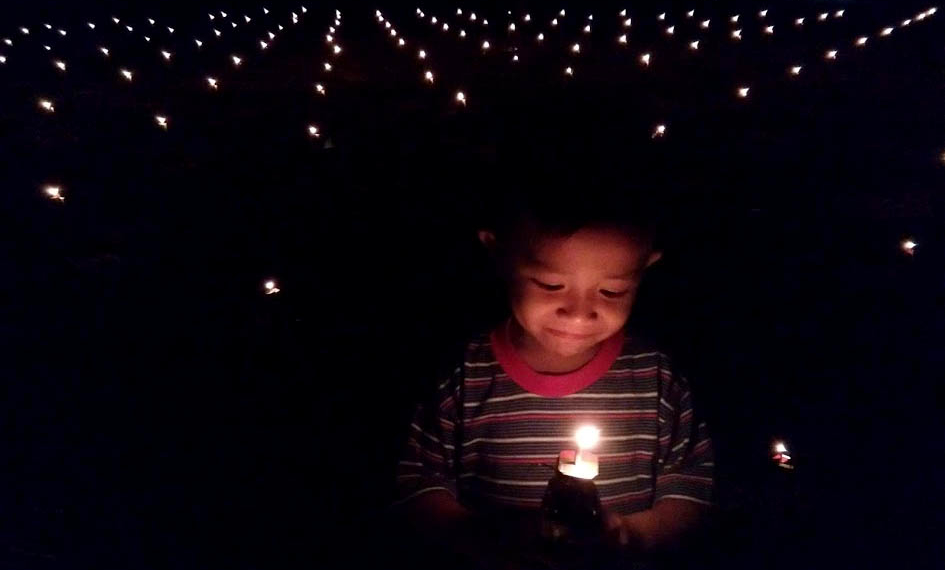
571	511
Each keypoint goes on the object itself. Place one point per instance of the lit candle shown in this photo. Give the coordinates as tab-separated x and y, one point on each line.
320	88
461	98
126	74
645	58
428	75
743	92
313	131
576	48
694	45
585	464
161	121
796	70
46	105
659	131
705	24
54	193
908	246
212	82
627	22
237	60
622	39
270	287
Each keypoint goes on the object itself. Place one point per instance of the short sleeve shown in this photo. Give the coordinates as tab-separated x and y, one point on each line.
428	460
686	461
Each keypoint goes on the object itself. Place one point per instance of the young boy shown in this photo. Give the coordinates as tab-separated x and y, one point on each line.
483	448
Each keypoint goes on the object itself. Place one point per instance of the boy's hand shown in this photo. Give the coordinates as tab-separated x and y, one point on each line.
621	532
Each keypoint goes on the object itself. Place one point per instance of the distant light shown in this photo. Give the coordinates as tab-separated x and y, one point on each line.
568	71
627	22
694	45
166	54
908	246
270	287
327	66
831	54
126	74
645	58
737	34
485	45
799	21
661	17
320	88
705	24
428	76
659	131
734	19
576	48
743	91
779	447
796	70
862	41
46	105
763	13
161	121
60	64
237	60
769	30
540	37
104	50
461	98
622	39
422	54
886	31
313	131
587	29
54	192
671	30
212	82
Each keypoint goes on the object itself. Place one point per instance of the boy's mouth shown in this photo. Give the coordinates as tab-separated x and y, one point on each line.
569	336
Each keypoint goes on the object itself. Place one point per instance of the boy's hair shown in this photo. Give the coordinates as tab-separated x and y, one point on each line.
556	196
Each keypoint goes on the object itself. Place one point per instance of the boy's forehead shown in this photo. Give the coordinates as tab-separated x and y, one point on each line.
619	256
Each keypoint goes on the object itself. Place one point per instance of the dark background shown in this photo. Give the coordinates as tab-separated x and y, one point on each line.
161	412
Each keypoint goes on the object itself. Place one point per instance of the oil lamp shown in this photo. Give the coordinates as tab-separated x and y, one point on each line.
571	508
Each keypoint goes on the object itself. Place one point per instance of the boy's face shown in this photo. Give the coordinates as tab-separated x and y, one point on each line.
569	294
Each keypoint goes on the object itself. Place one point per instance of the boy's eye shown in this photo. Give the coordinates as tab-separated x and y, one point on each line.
547	287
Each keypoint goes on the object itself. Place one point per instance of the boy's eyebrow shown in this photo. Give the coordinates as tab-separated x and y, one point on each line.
532	260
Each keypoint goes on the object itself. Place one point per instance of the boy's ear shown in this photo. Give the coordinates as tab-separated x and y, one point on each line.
654	257
487	238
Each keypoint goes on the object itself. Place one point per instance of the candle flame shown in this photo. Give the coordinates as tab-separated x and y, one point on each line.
587	437
55	193
270	287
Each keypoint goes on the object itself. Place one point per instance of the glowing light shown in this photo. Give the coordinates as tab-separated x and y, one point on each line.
705	24
247	18
270	287
661	17
54	193
769	30
838	14
527	18
908	246
623	12
485	45
326	66
472	17
576	48
61	32
422	54
763	13
737	34
659	131
114	19
461	98
906	22
60	64
554	22
217	32
8	41
237	60
313	131
587	29
462	33
862	41
796	70
47	48
47	105
126	74
779	447
831	54
541	37
691	13
743	92
401	42
129	28
91	25
886	31
694	45
645	58
568	71
147	39
446	27
104	50
263	45
272	36
198	42
671	30
433	20
622	39
561	13
212	82
515	57
166	54
336	49
428	76
627	22
823	16
734	19
170	30
161	121
3	59
587	437
25	31
799	21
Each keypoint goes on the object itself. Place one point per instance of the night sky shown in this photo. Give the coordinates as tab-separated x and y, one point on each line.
161	410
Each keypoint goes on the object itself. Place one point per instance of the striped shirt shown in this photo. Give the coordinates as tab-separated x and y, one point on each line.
493	429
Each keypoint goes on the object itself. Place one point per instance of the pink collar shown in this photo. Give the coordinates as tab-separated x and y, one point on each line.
554	385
